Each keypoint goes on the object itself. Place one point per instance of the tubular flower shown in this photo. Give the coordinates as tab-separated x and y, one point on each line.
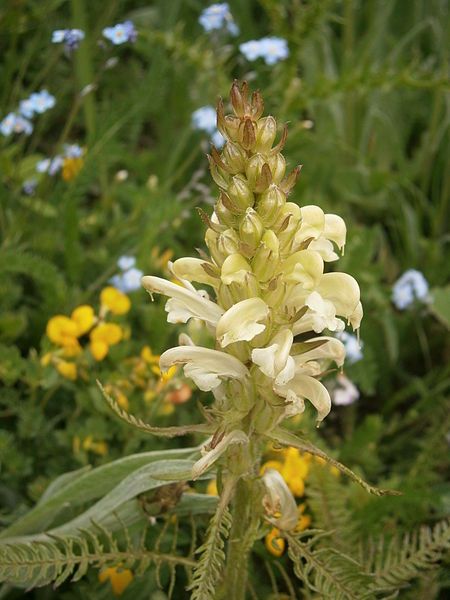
266	284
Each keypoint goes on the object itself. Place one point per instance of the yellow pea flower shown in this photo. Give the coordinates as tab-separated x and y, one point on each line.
211	488
62	331
274	543
119	578
115	301
148	356
271	464
122	400
102	337
84	317
67	369
304	521
71	166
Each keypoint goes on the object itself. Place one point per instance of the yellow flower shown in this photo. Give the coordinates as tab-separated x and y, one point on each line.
165	376
100	448
211	488
84	317
122	400
274	543
46	359
304	521
72	165
102	337
62	331
119	578
148	356
115	301
149	395
295	470
271	464
67	369
166	409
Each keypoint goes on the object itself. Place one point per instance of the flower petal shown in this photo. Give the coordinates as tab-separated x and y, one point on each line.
183	303
204	366
304	386
242	321
279	501
274	359
331	349
234	437
335	230
342	290
193	269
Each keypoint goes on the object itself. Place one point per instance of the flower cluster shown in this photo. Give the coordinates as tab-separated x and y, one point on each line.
19	121
70	163
411	286
266	270
271	49
121	33
129	279
204	119
217	17
67	332
71	38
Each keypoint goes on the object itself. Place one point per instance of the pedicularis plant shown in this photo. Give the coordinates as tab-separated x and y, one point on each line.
272	303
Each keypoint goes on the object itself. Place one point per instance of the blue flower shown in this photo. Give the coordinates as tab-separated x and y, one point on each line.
70	37
73	151
29	186
218	16
411	286
41	101
353	347
205	119
271	49
50	165
128	281
126	262
121	33
26	108
14	123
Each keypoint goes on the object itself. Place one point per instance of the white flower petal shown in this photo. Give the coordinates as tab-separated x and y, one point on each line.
184	303
342	290
242	321
204	366
234	437
325	248
304	386
331	349
279	501
274	359
192	269
335	230
305	267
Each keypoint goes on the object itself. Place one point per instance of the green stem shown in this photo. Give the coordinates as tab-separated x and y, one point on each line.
238	552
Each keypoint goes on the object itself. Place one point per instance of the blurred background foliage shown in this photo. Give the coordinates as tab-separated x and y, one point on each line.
365	92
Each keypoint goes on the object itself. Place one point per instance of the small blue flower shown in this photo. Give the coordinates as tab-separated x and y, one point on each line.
41	101
411	286
205	119
126	262
353	347
70	37
26	108
73	151
14	123
121	33
271	49
50	165
29	186
218	16
128	281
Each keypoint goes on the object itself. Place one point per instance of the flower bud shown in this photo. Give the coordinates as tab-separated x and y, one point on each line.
277	164
223	213
266	258
269	205
234	157
228	243
231	125
254	168
211	239
239	192
265	134
251	228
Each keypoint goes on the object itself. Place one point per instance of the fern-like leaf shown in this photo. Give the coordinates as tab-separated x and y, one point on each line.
401	560
142	426
210	565
326	571
38	563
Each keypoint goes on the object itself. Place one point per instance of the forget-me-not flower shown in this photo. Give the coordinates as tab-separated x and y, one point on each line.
121	33
218	16
14	123
51	166
205	119
271	49
73	151
126	262
353	346
411	286
71	38
41	101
